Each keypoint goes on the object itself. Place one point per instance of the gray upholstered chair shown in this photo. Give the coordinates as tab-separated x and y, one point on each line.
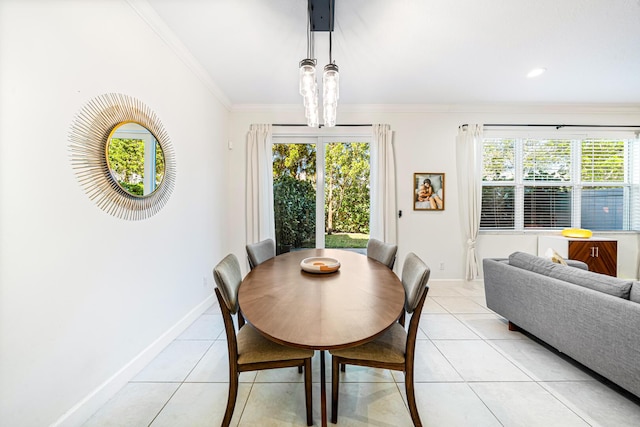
248	349
395	348
257	253
382	252
260	252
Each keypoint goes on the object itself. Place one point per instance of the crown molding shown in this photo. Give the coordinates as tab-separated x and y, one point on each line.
157	24
455	108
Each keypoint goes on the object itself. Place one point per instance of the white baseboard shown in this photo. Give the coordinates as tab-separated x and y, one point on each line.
84	409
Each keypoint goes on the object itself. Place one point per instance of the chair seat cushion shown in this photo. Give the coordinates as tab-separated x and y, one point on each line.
387	348
253	347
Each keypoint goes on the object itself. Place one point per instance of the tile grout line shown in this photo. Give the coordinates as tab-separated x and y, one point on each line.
525	371
165	405
183	380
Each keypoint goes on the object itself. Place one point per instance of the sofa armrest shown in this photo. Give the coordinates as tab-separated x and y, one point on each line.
577	264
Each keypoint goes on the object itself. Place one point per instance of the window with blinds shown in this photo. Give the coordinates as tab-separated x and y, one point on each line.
559	183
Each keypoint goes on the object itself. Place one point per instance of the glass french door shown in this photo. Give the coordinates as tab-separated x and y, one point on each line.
337	215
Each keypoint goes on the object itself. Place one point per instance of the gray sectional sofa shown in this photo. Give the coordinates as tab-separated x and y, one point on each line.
593	318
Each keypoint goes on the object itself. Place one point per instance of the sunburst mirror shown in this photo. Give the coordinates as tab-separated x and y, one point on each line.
122	156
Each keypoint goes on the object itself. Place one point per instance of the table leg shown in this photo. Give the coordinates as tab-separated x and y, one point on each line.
323	390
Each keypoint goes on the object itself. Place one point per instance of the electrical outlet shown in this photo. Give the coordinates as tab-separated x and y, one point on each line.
441	265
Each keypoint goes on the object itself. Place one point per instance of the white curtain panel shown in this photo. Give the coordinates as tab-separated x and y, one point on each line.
383	222
259	210
469	167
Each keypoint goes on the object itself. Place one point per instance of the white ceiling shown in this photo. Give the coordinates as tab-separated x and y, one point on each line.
418	51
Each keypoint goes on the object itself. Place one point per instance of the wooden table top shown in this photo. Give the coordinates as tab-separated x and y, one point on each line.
321	311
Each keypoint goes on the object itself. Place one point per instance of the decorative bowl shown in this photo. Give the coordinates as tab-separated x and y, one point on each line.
320	265
577	232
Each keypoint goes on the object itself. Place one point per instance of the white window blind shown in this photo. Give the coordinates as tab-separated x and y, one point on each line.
499	178
531	183
603	174
546	171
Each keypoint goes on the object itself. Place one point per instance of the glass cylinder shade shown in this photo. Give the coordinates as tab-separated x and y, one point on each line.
330	82
311	107
330	94
307	76
313	120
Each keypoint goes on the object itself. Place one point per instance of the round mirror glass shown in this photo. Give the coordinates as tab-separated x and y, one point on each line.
135	159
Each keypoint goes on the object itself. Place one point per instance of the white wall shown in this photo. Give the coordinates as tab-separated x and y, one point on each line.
87	299
425	142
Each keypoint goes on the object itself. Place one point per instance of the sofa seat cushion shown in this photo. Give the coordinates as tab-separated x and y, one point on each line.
598	282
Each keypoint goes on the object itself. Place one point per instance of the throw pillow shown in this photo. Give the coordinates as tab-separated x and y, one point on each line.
555	256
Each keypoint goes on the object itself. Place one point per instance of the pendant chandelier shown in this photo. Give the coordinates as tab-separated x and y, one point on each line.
330	76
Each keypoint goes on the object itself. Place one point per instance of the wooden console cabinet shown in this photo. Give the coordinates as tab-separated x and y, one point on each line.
601	255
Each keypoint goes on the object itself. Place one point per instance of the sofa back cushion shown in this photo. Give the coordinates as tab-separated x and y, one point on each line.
635	292
598	282
531	262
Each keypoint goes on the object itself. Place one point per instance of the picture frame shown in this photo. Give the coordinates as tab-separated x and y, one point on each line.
428	199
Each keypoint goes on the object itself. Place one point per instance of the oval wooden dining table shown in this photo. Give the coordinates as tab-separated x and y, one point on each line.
321	311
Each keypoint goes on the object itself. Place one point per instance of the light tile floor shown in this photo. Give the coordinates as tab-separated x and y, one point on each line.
470	371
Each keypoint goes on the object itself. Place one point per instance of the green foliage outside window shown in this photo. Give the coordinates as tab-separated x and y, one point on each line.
347	193
294	204
347	198
126	161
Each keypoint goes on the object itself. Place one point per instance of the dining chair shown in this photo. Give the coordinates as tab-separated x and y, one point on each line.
395	348
382	252
257	253
248	349
260	252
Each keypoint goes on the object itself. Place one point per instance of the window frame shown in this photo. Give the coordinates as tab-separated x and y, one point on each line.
631	183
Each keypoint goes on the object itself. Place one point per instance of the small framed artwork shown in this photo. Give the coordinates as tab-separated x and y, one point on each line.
428	191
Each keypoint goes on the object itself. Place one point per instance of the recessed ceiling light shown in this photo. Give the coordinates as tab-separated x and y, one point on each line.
536	72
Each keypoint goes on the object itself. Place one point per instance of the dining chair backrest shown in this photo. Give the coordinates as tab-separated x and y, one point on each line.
382	252
415	275
260	252
228	277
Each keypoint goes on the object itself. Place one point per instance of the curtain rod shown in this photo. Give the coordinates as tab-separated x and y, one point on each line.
555	126
320	126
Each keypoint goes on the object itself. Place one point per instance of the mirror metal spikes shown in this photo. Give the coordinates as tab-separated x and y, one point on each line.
88	139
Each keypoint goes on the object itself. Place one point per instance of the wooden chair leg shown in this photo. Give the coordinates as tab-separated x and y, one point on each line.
335	384
343	367
299	369
231	400
411	398
307	391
